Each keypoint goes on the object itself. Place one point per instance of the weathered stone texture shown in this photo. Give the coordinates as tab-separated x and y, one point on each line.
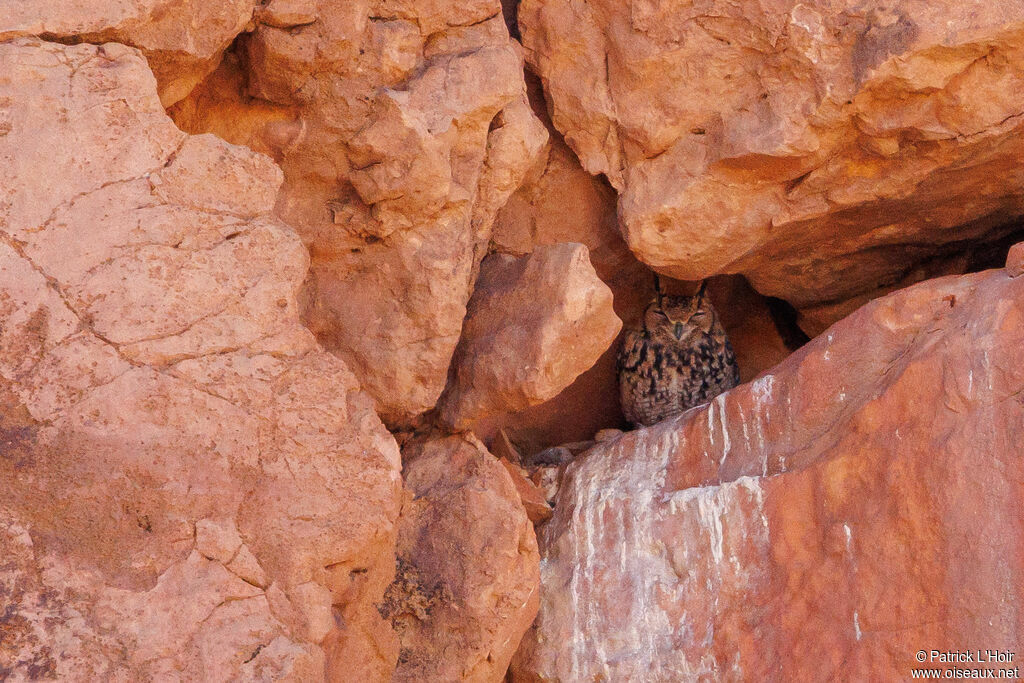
468	578
401	129
534	324
189	486
819	149
832	517
183	40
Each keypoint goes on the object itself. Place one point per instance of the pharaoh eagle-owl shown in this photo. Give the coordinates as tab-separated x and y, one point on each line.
680	359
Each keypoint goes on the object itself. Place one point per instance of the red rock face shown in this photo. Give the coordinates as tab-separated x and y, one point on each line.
183	41
359	214
817	148
533	325
401	129
853	506
468	576
189	485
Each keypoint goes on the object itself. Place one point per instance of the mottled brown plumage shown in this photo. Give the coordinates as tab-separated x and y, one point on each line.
681	358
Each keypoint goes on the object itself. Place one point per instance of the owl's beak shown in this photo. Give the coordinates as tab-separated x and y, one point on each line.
678	330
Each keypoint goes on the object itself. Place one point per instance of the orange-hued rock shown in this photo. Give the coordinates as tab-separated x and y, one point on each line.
468	577
1015	260
818	148
189	486
856	505
183	40
531	495
747	319
401	128
533	325
560	202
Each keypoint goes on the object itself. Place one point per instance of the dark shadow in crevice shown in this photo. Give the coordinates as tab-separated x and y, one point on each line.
785	317
510	10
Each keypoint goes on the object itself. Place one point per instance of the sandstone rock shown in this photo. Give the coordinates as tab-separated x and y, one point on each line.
608	435
183	41
819	149
749	322
859	501
560	202
468	565
188	483
969	257
503	449
288	13
533	325
1015	260
401	129
530	495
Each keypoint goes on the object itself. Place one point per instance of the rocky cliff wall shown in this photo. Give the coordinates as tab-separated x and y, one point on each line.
309	314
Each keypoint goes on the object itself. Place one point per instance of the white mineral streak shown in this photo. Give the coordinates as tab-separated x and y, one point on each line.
988	368
762	390
637	550
719	402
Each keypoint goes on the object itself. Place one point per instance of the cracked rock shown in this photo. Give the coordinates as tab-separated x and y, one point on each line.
401	127
172	439
857	500
817	148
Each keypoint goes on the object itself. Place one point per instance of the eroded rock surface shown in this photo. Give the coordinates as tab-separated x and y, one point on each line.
189	486
560	202
817	148
183	40
533	325
401	129
468	578
826	519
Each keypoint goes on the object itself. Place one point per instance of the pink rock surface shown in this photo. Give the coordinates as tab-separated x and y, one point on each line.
857	504
189	486
468	574
530	495
401	129
560	202
816	148
1015	260
183	40
534	324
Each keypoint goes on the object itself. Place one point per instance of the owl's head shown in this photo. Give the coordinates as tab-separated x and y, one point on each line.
675	319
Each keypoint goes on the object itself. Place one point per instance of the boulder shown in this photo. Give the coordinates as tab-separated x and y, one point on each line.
189	485
467	582
819	149
401	128
1015	260
183	40
560	202
533	325
855	505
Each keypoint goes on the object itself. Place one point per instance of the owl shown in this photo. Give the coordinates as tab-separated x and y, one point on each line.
680	359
